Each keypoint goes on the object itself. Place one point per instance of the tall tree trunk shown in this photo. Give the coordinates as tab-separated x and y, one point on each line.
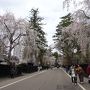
9	54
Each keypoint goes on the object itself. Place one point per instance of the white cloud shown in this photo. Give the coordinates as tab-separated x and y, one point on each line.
11	3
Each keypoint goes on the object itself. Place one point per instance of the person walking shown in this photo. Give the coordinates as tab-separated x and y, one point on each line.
73	74
80	73
88	72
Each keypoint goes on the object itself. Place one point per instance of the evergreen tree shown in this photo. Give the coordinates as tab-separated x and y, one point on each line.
65	41
66	20
36	25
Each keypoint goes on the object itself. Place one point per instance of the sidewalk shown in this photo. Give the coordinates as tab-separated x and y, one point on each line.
7	78
4	79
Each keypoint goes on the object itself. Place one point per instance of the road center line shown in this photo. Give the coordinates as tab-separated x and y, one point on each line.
77	83
22	79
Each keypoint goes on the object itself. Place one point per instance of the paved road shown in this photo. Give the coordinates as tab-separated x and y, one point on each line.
48	80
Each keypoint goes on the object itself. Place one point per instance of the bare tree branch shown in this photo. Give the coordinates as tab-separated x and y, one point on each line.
7	28
84	14
17	37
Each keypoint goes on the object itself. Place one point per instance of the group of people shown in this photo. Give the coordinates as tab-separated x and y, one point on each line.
77	71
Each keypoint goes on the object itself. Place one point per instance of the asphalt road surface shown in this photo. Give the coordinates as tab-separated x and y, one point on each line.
55	79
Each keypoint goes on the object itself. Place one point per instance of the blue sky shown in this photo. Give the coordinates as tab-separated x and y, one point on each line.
51	10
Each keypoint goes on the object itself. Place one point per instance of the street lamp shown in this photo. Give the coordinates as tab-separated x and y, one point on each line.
75	51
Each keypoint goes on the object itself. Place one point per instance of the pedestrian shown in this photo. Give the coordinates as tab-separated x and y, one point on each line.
80	73
73	74
88	72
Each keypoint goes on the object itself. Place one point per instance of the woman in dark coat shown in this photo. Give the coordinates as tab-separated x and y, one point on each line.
80	73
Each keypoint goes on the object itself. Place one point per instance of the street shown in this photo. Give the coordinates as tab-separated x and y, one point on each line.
55	79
